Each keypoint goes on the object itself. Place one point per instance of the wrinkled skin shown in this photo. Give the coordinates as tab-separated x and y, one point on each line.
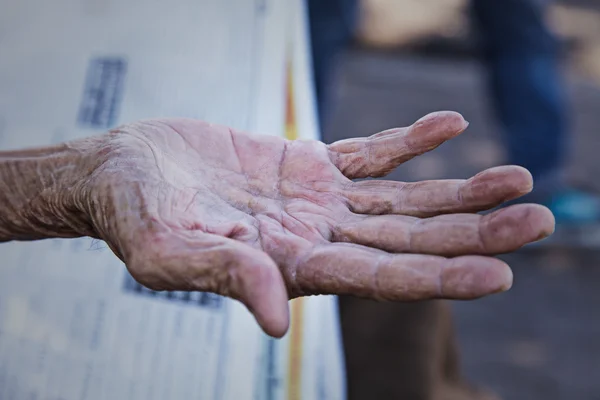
193	206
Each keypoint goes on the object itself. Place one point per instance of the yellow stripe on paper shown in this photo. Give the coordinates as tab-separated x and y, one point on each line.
297	305
296	339
291	126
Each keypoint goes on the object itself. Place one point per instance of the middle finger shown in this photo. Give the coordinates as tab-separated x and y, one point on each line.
427	198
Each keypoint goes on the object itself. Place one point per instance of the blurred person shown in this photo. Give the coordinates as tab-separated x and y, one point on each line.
392	351
522	56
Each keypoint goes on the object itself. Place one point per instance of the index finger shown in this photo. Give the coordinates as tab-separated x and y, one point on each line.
379	154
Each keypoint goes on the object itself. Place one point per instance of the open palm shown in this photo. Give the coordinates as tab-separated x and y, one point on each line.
193	206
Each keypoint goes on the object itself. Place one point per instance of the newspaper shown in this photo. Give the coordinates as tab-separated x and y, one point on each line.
73	323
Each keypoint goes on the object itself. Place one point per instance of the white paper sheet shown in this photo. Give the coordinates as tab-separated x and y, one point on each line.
73	325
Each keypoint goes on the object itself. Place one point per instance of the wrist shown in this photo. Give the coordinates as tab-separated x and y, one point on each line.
45	191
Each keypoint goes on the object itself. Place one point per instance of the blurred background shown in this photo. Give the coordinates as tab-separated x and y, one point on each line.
406	58
526	75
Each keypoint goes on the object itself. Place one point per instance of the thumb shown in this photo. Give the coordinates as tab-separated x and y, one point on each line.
258	284
199	261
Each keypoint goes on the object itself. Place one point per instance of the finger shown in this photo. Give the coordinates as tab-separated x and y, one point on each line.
197	261
485	190
379	154
342	268
502	231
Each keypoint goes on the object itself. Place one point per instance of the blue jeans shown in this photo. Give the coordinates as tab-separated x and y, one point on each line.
332	24
522	58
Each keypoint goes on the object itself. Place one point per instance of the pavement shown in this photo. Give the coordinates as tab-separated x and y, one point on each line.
540	340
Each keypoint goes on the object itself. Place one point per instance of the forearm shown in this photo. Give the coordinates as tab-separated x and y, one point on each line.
41	192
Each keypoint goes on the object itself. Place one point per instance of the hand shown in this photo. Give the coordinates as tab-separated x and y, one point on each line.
193	206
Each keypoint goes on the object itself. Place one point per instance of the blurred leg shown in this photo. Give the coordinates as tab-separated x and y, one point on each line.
392	350
522	56
402	351
452	385
389	348
332	25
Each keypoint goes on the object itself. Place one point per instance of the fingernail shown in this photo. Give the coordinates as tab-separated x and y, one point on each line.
508	280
